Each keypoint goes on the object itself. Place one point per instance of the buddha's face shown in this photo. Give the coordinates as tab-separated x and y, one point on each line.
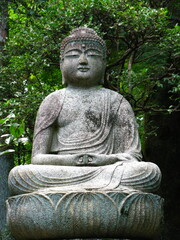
83	64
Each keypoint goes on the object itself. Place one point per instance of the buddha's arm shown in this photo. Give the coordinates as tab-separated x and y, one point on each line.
41	151
42	142
127	128
126	134
54	159
75	159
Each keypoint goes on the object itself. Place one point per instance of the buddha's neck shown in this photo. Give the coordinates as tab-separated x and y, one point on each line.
83	89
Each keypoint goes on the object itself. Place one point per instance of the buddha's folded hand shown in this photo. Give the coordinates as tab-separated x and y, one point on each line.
95	159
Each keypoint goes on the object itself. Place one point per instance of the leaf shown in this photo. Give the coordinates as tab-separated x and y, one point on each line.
5	135
8	140
7	151
23	140
17	130
4	120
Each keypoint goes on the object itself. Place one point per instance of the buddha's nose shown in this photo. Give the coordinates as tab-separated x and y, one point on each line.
83	59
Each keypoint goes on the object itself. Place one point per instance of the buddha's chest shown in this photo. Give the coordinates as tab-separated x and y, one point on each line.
81	113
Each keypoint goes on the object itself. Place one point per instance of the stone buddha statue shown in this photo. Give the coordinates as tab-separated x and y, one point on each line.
85	142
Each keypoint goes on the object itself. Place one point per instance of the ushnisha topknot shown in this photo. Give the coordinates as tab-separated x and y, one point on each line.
83	34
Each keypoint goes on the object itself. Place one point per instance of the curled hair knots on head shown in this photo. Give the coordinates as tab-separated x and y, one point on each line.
83	34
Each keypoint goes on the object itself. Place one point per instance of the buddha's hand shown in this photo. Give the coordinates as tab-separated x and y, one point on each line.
95	159
84	160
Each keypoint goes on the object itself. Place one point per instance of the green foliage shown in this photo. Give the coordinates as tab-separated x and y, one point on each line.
143	57
15	138
5	235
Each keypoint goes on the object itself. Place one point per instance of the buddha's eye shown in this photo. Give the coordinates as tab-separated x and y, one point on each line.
73	53
94	53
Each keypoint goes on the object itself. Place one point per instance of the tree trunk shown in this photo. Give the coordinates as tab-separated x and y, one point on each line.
6	161
3	23
6	164
163	149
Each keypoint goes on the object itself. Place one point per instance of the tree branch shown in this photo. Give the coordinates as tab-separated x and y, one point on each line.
119	38
144	59
152	109
121	60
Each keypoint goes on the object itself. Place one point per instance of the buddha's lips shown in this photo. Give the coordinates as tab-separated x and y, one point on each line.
83	69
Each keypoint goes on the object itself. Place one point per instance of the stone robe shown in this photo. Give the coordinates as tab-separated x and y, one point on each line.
113	130
116	130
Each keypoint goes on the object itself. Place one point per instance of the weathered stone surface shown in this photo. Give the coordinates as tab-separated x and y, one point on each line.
7	164
139	175
86	179
85	214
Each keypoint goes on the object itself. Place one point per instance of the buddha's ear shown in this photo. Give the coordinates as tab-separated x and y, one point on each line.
63	81
61	63
102	80
61	68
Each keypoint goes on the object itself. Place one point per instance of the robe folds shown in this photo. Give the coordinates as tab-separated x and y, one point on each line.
140	176
117	134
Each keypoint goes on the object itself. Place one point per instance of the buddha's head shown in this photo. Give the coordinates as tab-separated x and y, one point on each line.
83	58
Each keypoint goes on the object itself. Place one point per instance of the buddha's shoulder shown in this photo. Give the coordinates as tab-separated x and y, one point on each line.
52	101
117	98
58	94
114	96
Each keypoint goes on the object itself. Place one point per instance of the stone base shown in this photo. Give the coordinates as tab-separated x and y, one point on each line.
84	214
